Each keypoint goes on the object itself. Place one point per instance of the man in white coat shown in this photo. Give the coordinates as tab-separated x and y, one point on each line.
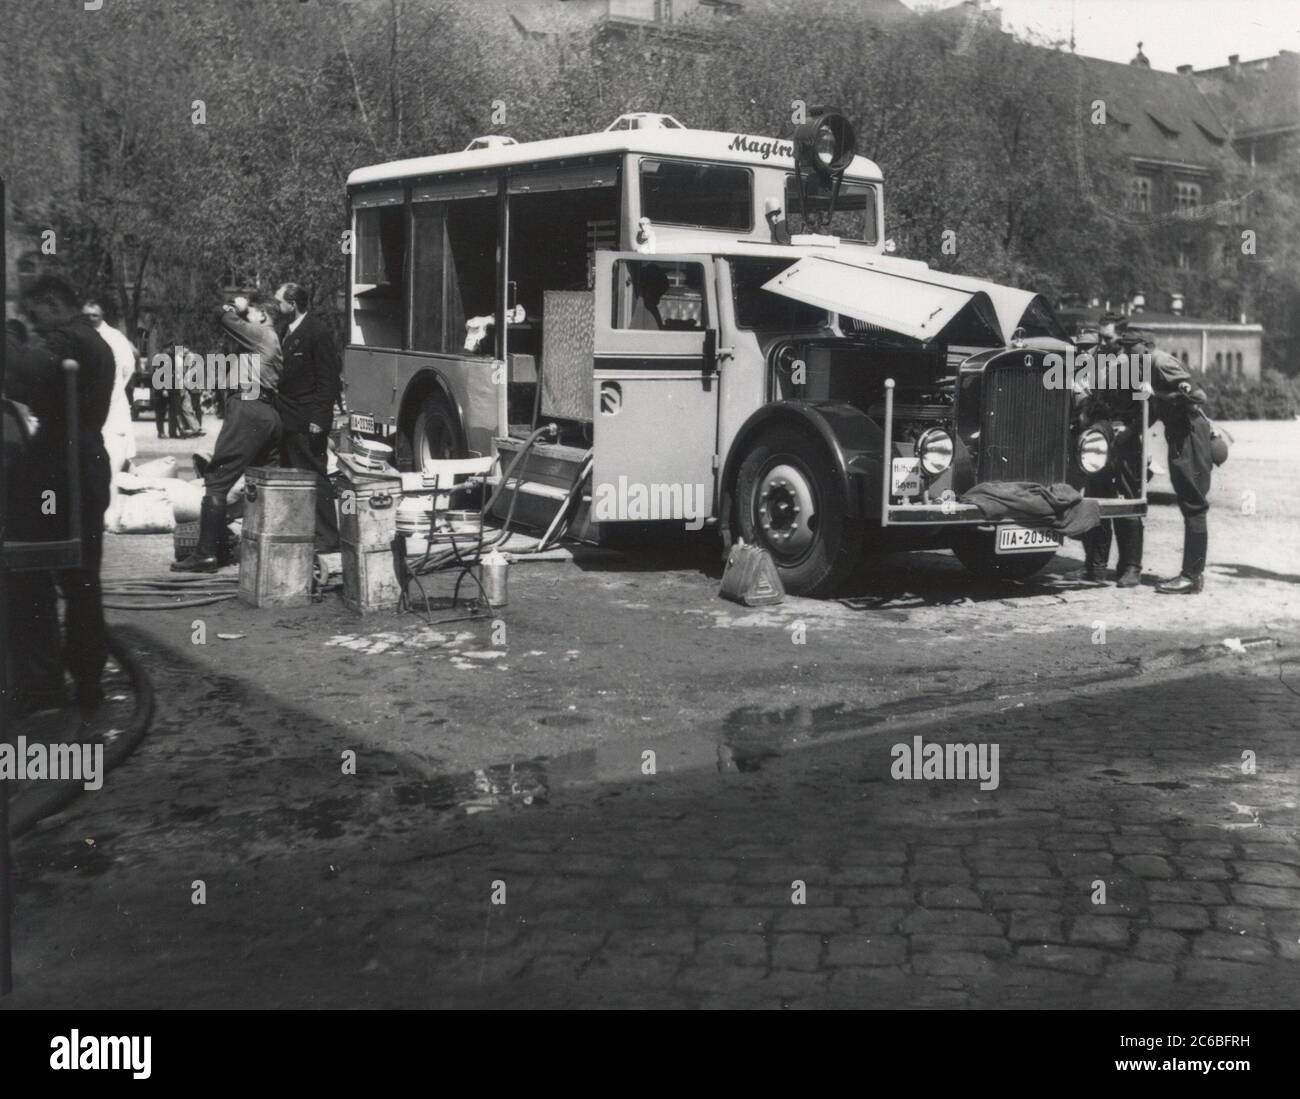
119	432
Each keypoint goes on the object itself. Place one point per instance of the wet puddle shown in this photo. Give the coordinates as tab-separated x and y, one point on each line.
505	785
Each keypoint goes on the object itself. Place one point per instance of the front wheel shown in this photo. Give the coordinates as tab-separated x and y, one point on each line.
790	501
976	550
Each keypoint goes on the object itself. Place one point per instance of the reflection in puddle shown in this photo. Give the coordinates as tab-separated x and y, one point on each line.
752	735
508	785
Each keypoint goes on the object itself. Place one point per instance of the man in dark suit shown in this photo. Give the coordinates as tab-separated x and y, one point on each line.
38	380
309	388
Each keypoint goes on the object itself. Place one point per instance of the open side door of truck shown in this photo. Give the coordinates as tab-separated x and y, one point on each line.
655	405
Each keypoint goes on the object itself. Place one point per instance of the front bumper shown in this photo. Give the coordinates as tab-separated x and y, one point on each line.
957	514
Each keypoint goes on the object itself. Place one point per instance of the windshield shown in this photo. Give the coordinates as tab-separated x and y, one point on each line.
760	309
855	209
707	196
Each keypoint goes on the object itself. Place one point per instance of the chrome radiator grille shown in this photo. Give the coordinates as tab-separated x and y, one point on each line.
1024	426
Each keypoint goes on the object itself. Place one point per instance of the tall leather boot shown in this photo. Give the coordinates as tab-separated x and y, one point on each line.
212	528
1096	551
1129	535
1191	581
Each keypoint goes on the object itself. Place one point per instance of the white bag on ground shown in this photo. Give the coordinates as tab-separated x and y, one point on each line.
186	498
159	467
146	512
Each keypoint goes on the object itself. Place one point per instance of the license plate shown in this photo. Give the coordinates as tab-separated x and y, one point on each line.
142	393
1026	540
906	477
363	424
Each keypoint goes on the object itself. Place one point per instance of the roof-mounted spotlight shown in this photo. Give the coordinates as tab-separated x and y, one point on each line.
825	144
824	147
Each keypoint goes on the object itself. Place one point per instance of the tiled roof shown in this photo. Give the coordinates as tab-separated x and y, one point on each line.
1260	96
1158	115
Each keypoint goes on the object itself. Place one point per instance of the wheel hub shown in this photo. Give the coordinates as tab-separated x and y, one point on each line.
786	511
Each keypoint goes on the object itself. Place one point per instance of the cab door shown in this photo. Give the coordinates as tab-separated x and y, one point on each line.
655	405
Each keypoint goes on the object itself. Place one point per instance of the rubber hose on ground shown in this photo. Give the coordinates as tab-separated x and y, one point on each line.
26	809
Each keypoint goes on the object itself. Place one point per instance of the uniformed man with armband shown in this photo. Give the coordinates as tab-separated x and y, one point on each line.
1176	403
1122	476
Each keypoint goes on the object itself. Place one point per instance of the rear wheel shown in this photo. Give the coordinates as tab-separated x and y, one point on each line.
790	501
434	434
976	550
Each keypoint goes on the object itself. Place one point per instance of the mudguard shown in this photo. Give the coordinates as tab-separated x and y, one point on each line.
852	438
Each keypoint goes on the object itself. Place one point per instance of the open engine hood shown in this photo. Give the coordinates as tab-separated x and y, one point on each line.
902	296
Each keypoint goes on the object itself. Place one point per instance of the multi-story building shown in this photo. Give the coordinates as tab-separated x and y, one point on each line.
1258	101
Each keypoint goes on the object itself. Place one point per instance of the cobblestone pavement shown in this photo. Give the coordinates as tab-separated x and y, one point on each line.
678	889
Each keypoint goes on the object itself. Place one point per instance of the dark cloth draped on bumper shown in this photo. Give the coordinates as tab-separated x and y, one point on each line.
1060	507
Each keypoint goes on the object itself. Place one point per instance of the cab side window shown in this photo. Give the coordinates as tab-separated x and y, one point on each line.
659	296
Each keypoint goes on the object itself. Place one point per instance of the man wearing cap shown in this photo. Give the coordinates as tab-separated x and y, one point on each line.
251	432
1176	403
1121	477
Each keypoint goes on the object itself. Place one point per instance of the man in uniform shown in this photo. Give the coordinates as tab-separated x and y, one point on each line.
1176	403
309	389
39	382
1122	476
250	435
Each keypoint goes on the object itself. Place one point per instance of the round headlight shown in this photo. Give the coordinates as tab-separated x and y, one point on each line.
1094	449
934	448
824	143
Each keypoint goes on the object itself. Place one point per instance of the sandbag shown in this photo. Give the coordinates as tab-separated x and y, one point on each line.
146	512
159	467
186	498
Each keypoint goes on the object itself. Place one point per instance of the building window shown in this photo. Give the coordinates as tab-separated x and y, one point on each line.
1139	194
1218	362
1187	198
1184	257
1184	357
1240	368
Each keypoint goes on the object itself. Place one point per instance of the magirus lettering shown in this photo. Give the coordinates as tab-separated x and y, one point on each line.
764	147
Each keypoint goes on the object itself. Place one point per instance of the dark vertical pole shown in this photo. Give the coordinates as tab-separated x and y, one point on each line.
6	900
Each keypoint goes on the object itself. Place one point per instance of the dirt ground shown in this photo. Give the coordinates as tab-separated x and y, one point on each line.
501	736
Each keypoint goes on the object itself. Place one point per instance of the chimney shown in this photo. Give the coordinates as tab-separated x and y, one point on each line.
1234	66
1176	303
1184	70
1141	58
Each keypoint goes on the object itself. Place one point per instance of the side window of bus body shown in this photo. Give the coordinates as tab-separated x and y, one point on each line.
659	296
379	276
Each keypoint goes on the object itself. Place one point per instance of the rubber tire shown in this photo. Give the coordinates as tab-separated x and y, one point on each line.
975	550
437	416
837	546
